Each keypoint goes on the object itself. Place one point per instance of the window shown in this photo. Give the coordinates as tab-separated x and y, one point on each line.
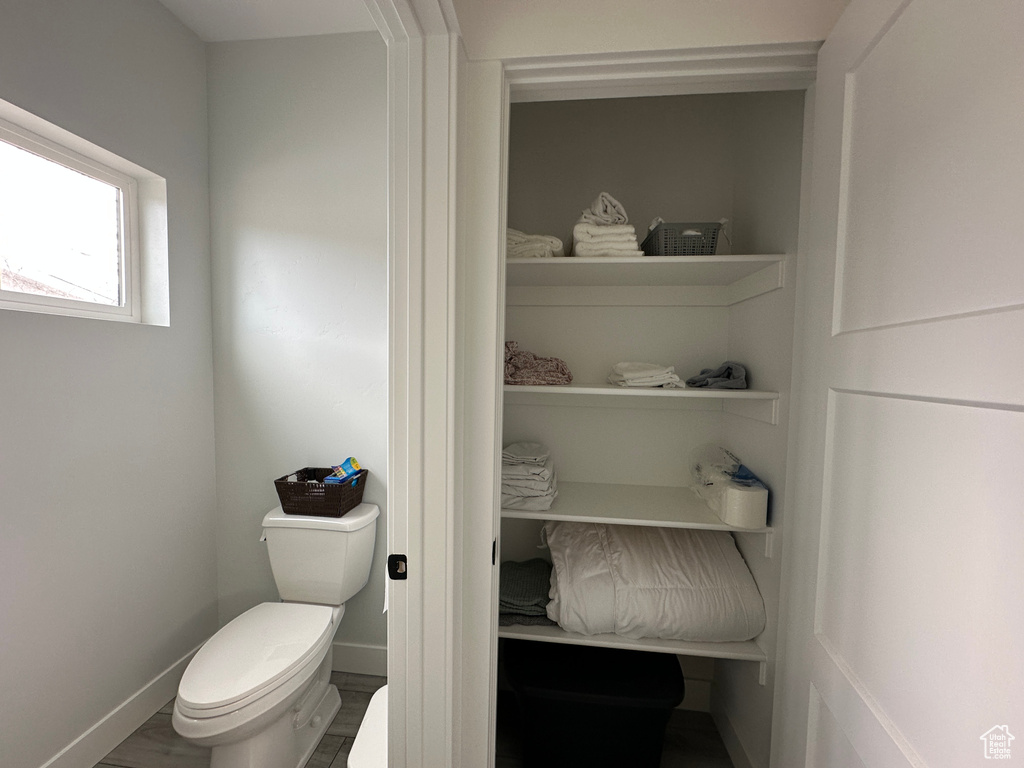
72	239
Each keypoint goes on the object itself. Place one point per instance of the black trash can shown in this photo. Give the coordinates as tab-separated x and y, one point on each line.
595	707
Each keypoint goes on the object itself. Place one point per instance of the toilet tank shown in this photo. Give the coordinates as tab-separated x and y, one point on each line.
322	560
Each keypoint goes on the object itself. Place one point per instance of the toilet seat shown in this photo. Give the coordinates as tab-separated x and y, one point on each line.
258	652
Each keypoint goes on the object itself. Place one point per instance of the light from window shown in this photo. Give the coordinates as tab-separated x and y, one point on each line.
60	231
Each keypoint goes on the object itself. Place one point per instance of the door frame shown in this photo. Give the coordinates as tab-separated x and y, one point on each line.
495	86
420	39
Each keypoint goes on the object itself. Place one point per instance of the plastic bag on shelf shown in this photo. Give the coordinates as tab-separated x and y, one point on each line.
730	489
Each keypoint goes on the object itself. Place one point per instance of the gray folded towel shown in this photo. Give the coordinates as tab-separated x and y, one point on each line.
726	376
511	619
523	587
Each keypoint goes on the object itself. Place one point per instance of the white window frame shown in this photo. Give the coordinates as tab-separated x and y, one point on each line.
52	143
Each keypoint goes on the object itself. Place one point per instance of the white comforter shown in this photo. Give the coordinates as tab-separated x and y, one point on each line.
639	581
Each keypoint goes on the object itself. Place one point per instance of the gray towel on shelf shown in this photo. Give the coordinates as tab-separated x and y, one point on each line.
523	587
726	376
509	619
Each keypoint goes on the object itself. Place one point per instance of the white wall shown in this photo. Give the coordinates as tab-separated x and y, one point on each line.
106	429
767	199
298	147
498	29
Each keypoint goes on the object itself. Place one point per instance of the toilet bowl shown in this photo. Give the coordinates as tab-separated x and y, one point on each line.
258	693
370	749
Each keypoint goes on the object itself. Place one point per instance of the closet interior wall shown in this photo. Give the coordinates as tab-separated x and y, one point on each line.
684	158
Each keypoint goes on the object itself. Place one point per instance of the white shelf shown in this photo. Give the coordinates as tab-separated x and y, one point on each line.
750	403
614	390
646	270
743	651
616	504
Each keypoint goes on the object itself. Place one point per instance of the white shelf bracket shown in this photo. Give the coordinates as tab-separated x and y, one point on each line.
762	673
769	543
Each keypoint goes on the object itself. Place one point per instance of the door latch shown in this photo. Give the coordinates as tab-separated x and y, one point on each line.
398	567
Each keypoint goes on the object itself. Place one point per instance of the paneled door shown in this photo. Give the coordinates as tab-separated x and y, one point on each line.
904	641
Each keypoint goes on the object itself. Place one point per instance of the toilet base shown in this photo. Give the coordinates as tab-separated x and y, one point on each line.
282	744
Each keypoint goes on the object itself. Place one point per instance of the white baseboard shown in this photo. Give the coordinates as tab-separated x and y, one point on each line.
93	745
361	659
738	755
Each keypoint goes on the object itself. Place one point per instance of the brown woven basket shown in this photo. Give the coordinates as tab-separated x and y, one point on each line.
319	499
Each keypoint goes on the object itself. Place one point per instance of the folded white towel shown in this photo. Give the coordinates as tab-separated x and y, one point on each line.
529	471
643	375
527	493
605	210
525	453
587	232
641	370
533	251
588	250
523	486
629	240
521	245
532	503
666	382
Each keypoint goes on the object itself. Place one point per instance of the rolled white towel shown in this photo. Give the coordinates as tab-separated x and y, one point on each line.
605	210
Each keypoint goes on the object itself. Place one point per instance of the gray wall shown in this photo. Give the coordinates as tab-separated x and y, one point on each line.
660	156
298	147
107	490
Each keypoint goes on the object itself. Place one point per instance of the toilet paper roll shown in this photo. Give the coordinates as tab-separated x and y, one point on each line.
743	506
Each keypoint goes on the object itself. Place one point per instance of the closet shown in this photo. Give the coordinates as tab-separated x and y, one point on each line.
622	456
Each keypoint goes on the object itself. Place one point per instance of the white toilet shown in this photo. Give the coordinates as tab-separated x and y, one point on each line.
258	692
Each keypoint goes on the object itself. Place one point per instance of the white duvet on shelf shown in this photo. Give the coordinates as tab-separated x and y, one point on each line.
646	582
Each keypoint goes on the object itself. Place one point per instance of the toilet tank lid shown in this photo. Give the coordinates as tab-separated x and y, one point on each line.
356	518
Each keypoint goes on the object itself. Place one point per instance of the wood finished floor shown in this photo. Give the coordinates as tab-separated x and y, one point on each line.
156	745
691	740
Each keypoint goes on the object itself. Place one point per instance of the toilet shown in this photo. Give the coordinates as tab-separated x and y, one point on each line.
370	749
258	692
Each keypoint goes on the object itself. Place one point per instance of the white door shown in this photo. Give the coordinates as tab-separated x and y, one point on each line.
905	575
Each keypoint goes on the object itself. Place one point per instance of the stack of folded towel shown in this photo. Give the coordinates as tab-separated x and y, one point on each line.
527	477
522	367
521	245
643	375
604	230
523	592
